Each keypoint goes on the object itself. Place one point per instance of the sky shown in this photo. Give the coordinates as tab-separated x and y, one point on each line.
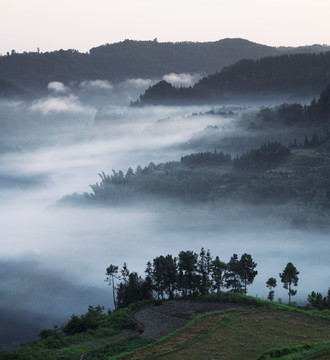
82	24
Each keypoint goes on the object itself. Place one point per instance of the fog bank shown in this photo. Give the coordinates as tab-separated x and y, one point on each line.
53	258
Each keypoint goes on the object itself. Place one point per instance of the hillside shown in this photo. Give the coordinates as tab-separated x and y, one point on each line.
10	90
293	76
241	334
133	59
293	182
248	329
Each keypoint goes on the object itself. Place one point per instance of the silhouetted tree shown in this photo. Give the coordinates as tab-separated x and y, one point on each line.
246	270
204	269
124	272
164	275
112	274
318	301
232	275
289	278
219	269
271	283
188	279
134	289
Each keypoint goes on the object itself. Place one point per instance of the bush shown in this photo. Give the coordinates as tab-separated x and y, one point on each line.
121	319
79	324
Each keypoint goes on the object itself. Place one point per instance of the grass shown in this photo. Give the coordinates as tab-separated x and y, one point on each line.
243	334
306	351
117	347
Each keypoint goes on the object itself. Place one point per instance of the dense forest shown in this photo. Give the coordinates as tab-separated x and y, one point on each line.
296	115
133	59
295	75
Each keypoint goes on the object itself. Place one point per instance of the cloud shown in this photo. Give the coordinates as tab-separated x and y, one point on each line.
58	87
60	104
181	79
96	85
138	83
132	88
54	298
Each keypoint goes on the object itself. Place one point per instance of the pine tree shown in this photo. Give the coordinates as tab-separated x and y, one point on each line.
111	273
246	270
219	270
271	283
289	278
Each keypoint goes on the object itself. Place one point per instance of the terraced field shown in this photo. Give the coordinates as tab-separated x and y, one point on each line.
243	334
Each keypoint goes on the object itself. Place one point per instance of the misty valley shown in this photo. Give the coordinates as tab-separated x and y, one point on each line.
90	177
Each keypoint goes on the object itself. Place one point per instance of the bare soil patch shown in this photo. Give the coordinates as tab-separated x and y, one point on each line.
158	321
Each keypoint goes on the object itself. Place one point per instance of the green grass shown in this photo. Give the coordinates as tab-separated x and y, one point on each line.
117	347
300	352
250	333
246	333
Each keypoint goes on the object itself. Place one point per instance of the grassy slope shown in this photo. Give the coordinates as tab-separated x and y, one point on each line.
240	334
244	333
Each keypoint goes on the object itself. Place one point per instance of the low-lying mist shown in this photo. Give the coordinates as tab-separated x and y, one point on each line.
53	258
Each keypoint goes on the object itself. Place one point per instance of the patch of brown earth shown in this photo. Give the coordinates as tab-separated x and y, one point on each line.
158	321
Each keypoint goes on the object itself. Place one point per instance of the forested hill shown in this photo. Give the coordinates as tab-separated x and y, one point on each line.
133	59
297	75
10	90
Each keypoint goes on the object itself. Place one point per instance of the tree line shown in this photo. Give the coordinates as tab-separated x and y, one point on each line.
315	114
128	59
168	277
195	179
172	179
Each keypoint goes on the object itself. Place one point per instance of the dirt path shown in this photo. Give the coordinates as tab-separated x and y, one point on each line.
160	320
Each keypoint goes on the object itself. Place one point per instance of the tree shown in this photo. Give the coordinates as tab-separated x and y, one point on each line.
204	269
134	289
111	273
171	275
124	272
219	269
232	277
289	278
148	278
318	301
240	273
271	283
164	275
246	270
188	279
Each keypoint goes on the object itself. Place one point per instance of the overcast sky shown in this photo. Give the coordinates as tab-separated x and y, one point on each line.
82	24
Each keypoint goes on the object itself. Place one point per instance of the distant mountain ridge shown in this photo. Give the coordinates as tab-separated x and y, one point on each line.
293	75
133	59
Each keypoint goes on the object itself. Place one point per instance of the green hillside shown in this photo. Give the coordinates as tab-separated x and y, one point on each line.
258	330
245	335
